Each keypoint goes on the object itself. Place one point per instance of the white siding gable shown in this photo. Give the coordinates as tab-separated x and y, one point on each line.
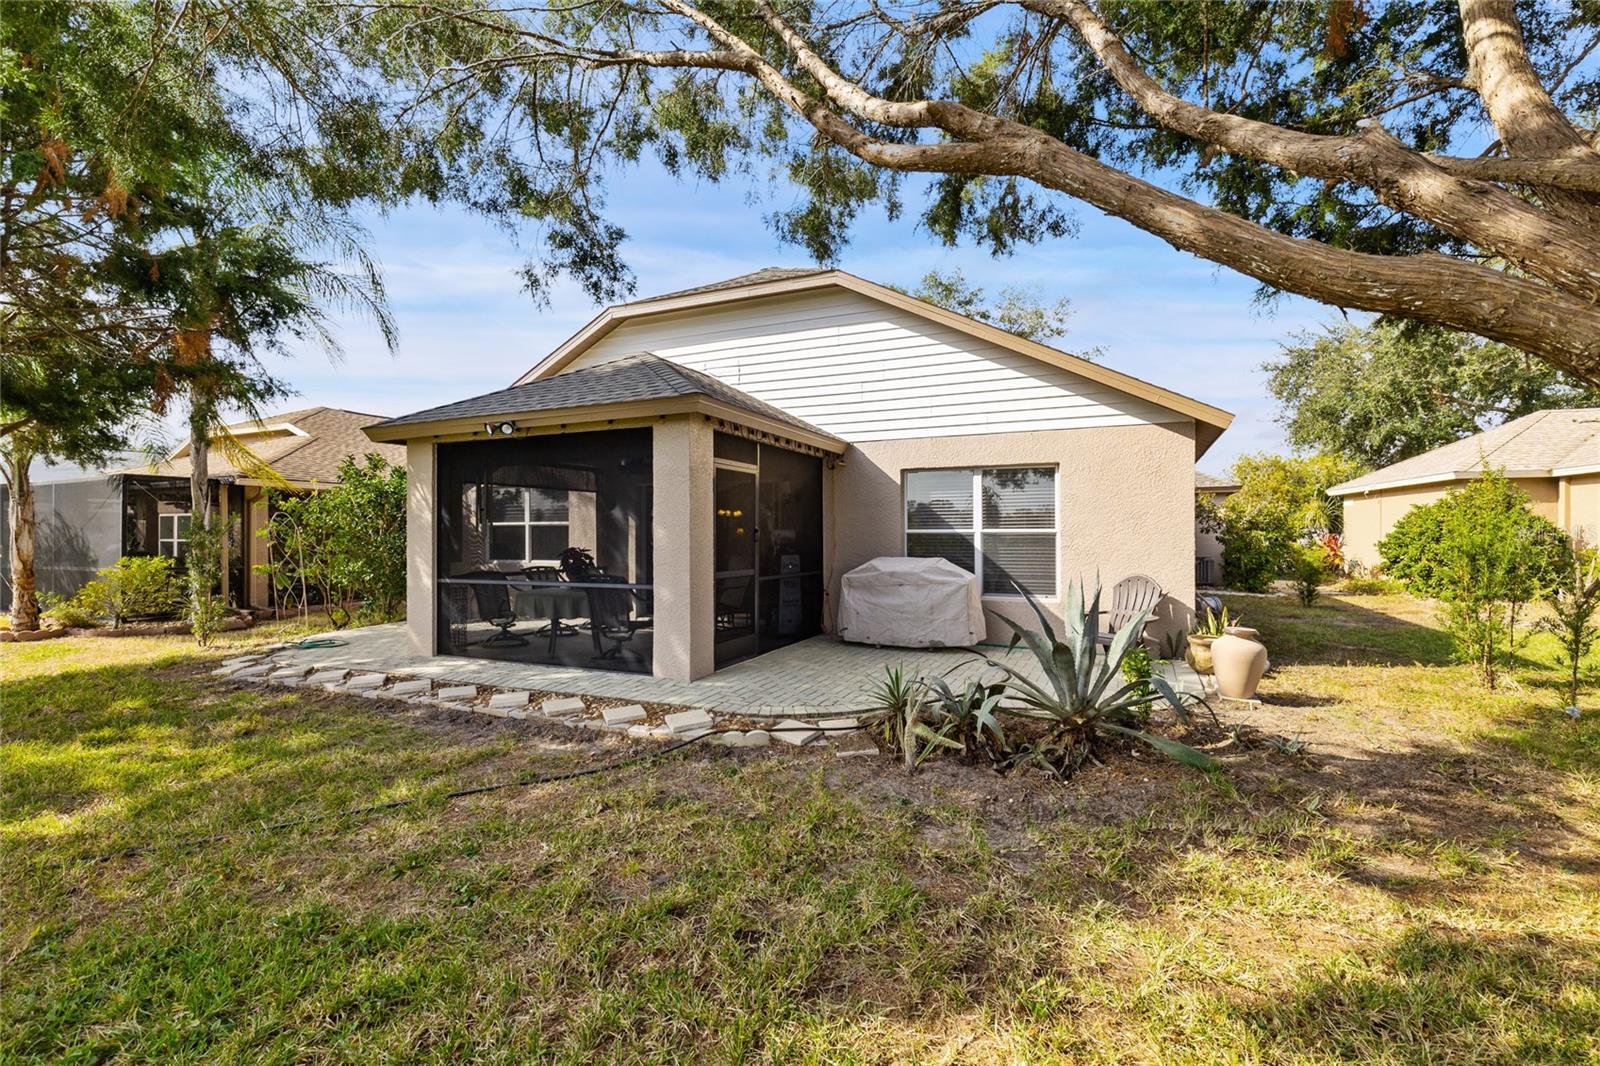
863	370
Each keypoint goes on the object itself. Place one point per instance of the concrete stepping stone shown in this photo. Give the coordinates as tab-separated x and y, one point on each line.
793	731
242	660
660	732
325	677
250	673
564	705
689	721
419	686
755	738
493	712
836	726
508	700
458	692
730	739
285	672
621	715
228	671
361	682
639	732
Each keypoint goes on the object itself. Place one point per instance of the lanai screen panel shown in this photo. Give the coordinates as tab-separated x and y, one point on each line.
545	552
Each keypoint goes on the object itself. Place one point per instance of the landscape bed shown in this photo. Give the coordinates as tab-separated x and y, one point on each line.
1395	866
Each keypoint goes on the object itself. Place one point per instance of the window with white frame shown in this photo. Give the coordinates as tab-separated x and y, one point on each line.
527	526
172	535
999	523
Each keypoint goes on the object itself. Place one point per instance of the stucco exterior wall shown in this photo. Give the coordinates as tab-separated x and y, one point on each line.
682	548
1580	511
1125	505
421	512
1368	518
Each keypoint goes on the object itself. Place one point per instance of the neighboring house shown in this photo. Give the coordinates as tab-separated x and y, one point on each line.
1554	456
726	453
1207	548
87	519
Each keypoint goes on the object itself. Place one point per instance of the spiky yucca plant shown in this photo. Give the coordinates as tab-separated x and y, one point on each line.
1084	692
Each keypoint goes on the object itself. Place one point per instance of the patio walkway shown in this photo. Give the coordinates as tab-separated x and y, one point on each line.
819	676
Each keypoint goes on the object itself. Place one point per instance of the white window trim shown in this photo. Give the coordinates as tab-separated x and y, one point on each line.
527	526
976	530
177	542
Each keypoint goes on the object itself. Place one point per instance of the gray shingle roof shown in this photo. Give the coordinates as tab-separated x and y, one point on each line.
1534	444
755	277
636	377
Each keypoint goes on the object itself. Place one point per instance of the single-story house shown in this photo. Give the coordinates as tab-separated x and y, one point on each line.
1207	548
682	483
1554	456
87	519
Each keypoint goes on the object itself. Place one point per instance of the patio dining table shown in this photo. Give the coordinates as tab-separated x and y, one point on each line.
552	603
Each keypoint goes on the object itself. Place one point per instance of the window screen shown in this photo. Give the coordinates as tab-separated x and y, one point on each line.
999	523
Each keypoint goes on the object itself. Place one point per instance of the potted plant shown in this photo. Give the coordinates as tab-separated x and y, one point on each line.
1198	654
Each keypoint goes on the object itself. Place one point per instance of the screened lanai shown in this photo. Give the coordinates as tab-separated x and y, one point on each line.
545	549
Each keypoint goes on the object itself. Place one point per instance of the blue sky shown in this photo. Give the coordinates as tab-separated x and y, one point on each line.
467	327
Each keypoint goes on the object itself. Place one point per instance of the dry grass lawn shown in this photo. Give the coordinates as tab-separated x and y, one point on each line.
1396	867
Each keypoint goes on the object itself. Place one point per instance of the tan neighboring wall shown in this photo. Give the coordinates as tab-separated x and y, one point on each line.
1368	517
1125	505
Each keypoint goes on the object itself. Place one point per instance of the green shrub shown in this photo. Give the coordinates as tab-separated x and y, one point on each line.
347	542
1423	550
1371	586
1310	570
1574	602
1256	548
1483	551
132	587
207	610
65	612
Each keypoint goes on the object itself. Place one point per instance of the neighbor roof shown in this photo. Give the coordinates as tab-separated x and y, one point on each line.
633	379
774	281
307	447
1543	444
1204	482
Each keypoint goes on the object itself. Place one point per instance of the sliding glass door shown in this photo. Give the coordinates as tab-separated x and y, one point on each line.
768	552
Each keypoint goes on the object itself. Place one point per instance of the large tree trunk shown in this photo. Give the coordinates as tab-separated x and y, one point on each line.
24	594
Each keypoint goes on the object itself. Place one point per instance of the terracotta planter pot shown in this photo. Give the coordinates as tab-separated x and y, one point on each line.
1198	653
1239	660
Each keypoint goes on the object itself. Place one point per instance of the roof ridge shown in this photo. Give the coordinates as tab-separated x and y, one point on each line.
1532	418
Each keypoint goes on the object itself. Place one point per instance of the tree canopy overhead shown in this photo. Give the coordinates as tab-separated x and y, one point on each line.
1407	158
1382	393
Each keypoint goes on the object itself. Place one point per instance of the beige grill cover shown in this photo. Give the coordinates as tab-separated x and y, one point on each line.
911	603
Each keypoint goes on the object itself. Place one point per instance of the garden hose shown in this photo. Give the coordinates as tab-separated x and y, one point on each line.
308	643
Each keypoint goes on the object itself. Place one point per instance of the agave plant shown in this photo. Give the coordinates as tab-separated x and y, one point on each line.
966	721
1084	691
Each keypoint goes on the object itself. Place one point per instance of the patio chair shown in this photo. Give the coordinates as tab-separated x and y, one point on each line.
492	595
542	577
610	614
733	605
1129	597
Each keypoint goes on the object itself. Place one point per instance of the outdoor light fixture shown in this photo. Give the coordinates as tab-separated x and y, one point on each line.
505	429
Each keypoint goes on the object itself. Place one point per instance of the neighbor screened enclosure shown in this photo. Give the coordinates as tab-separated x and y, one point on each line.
544	550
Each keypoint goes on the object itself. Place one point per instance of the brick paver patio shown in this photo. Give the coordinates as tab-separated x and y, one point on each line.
819	676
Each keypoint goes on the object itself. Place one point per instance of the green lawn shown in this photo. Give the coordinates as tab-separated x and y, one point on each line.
1421	884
